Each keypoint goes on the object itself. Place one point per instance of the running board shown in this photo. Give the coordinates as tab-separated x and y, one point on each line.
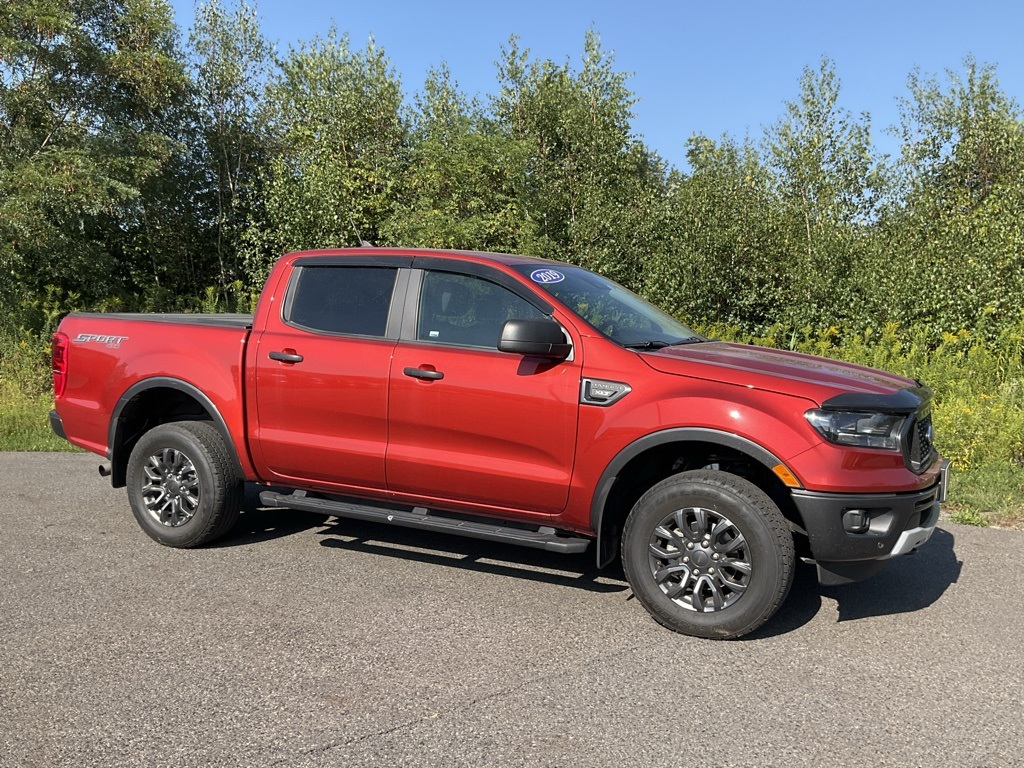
542	538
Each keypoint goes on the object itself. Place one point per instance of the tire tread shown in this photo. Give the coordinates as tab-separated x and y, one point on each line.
768	512
228	487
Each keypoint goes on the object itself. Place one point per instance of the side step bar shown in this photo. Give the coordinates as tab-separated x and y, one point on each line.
542	538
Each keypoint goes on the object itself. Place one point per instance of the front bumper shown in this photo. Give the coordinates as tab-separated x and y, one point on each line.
851	536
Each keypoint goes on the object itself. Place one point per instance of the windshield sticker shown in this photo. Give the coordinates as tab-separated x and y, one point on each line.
546	276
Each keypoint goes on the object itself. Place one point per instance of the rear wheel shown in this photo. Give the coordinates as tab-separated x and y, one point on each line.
184	487
708	554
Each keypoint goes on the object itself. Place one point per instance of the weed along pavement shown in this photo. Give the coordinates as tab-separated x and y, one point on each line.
301	640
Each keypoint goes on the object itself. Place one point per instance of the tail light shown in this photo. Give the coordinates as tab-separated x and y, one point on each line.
59	358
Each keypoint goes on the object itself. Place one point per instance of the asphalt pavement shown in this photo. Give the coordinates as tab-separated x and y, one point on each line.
302	640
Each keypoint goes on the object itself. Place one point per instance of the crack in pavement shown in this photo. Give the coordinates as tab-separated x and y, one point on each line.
450	710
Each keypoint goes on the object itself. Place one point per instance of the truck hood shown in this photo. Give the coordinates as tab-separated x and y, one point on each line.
791	373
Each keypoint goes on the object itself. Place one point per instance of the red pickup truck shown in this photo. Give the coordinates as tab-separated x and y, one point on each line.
512	399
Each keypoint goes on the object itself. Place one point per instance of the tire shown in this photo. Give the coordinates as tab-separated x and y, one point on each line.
184	487
708	554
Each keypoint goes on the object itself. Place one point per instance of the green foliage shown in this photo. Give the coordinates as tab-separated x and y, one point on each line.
341	140
136	177
828	182
25	394
230	65
232	298
592	191
84	89
24	425
991	494
463	185
24	363
725	245
954	221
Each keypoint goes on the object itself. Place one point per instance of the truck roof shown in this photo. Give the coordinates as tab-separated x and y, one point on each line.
507	259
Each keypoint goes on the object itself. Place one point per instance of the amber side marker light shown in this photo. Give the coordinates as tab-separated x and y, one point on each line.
782	472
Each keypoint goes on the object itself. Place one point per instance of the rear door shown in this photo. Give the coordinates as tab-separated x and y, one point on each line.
470	425
321	370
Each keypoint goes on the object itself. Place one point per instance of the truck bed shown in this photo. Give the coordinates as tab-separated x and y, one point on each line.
221	320
113	352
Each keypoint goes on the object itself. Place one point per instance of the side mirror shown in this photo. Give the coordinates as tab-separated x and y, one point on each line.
540	337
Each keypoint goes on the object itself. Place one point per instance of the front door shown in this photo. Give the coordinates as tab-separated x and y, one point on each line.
470	425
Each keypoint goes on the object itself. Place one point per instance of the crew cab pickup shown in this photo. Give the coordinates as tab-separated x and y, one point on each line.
511	399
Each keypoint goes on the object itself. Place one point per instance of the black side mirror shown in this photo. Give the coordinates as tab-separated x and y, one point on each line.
540	337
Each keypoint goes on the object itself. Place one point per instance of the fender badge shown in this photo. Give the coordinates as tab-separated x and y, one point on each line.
111	342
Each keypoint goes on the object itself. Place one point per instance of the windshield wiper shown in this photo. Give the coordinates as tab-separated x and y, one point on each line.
647	345
691	340
660	344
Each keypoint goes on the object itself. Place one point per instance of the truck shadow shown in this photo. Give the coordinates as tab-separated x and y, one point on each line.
258	523
575	571
907	584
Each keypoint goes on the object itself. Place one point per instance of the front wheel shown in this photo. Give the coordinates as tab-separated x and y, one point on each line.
708	554
184	486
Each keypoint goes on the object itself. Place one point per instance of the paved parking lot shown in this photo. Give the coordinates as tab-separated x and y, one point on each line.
307	641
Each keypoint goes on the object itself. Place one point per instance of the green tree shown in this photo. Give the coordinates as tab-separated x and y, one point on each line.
340	147
231	62
955	228
85	89
726	240
830	184
591	188
463	186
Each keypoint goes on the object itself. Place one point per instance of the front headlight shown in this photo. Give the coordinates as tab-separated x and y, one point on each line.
865	430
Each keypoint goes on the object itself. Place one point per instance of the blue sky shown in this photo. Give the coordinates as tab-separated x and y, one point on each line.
711	68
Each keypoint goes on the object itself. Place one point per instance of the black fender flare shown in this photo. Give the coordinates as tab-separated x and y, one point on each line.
653	440
114	431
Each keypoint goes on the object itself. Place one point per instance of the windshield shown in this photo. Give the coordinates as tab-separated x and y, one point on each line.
619	314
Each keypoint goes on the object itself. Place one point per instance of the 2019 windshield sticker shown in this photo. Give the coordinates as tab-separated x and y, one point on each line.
546	276
111	342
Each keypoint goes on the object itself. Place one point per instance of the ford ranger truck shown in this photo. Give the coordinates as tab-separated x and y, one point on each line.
516	400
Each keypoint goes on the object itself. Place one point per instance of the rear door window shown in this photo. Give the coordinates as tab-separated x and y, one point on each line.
346	300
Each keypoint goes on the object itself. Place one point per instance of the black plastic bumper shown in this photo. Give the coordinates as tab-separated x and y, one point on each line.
852	535
57	425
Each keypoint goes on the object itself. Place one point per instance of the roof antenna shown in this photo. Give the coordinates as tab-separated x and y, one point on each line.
359	237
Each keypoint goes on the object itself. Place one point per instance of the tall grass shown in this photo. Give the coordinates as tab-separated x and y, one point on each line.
24	425
26	395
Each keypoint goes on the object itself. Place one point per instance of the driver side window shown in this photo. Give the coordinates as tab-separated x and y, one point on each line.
466	310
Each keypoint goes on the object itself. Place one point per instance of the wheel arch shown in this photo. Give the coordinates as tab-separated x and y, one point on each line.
155	401
653	457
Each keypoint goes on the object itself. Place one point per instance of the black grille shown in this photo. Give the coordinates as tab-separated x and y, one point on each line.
920	451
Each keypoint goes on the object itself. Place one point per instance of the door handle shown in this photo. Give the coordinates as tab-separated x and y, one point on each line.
420	373
285	357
